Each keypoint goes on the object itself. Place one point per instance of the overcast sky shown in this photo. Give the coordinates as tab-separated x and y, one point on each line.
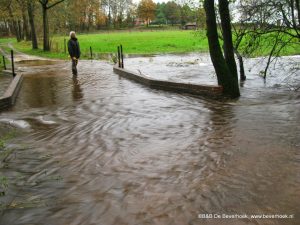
160	1
156	1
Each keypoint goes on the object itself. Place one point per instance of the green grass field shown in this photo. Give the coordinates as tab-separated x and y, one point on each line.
146	42
134	42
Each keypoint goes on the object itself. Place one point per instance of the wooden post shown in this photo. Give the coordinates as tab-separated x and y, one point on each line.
65	46
119	57
91	51
122	57
12	62
4	65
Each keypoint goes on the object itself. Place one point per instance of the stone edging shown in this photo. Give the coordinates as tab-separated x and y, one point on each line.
9	98
6	72
204	90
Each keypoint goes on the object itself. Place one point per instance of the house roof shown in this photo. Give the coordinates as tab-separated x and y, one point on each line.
190	24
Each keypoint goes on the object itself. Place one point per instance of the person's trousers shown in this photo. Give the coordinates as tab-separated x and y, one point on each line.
74	66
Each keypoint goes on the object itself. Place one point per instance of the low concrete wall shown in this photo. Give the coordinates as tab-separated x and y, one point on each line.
7	72
11	93
204	90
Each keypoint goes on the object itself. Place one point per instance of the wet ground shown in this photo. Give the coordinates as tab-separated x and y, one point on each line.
100	149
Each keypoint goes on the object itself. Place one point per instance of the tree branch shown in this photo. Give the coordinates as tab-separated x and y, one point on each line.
54	4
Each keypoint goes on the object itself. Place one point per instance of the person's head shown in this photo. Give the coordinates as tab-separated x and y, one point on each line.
72	34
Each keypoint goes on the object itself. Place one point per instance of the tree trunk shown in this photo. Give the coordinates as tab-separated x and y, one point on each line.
241	63
46	45
227	37
225	79
25	30
109	17
7	27
32	26
25	26
14	23
45	8
20	30
298	10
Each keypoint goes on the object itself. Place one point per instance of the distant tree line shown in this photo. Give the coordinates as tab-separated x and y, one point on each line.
23	17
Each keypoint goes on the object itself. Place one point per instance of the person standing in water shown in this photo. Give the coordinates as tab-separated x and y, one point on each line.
74	51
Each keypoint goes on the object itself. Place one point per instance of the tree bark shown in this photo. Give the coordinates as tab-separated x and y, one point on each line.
14	23
227	37
20	30
298	10
25	26
46	44
225	79
7	27
30	9
241	64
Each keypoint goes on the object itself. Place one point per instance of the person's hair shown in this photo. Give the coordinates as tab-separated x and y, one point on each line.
72	34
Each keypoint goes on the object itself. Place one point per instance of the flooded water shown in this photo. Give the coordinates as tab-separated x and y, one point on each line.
100	149
180	68
27	63
197	69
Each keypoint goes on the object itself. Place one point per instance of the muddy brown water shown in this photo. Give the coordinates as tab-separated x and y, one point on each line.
28	63
100	149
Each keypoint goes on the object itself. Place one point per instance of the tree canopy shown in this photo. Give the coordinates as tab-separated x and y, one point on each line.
146	10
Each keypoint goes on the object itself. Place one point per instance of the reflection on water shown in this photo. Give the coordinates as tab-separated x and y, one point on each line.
100	149
77	91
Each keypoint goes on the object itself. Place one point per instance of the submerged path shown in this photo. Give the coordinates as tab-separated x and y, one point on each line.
99	149
18	56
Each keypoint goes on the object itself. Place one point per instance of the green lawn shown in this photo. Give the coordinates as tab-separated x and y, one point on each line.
144	42
135	42
7	40
6	49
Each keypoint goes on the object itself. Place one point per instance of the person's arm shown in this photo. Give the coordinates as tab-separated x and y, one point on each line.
70	49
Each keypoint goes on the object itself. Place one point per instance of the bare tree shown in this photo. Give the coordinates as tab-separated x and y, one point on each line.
275	22
226	75
23	8
30	11
46	5
13	14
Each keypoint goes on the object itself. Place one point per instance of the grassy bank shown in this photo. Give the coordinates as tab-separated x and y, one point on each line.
136	42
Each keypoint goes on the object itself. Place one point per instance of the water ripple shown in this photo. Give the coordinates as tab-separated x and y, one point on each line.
105	150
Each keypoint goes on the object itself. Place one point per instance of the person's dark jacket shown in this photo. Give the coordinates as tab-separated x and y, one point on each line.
73	48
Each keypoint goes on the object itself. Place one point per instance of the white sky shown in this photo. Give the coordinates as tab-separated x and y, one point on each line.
160	1
156	1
